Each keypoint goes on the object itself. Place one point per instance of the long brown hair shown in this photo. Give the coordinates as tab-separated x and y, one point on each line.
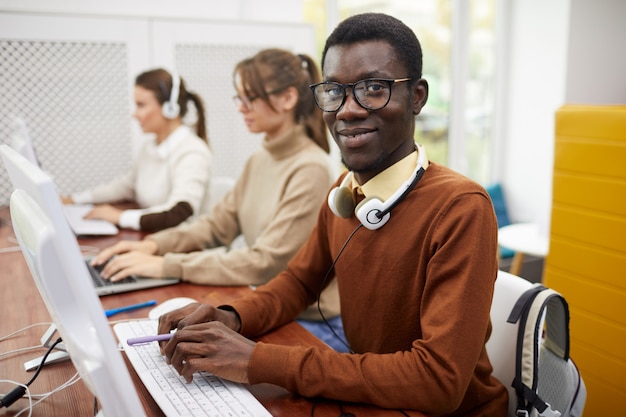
274	70
159	81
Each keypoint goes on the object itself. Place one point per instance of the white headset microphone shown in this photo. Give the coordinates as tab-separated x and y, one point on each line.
171	108
372	212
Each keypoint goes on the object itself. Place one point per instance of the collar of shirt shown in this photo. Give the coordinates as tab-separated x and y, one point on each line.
166	147
387	182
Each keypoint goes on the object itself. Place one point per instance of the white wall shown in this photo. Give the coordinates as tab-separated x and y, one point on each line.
557	52
560	52
116	40
263	10
596	65
534	90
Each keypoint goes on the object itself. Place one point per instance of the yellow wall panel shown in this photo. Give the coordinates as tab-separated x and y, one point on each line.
595	264
607	301
591	227
602	194
600	367
606	400
597	122
600	157
587	258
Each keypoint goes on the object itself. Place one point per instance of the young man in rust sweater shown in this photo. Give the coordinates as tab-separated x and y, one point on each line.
412	246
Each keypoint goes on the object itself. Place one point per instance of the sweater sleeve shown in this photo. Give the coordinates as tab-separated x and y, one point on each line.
262	259
121	188
189	178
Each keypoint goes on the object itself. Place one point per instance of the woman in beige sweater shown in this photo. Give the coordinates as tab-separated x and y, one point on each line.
274	203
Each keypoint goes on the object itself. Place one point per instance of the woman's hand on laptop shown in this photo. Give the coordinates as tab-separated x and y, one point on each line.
133	263
149	247
105	212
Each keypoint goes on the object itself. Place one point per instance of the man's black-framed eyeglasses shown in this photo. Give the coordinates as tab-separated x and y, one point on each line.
372	93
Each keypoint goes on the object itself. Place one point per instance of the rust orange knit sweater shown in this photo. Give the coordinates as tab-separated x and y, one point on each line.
415	301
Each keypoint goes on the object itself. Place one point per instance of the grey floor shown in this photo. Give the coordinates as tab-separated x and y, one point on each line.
532	268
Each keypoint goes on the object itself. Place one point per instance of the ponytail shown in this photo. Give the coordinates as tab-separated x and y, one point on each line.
307	111
201	119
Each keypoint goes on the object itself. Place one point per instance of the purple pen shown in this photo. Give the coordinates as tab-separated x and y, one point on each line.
147	339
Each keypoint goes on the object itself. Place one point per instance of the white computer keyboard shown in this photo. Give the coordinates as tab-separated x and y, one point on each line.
207	395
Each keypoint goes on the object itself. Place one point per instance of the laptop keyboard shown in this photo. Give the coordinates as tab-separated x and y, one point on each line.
206	396
97	279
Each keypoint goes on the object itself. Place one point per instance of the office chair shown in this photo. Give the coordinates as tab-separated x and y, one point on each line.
502	344
218	188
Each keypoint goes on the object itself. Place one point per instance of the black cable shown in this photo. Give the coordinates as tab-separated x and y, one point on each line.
19	391
319	309
332	267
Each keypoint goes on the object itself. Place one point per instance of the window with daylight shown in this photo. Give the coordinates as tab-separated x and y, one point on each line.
458	43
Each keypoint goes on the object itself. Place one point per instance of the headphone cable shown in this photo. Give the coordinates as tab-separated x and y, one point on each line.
319	293
345	343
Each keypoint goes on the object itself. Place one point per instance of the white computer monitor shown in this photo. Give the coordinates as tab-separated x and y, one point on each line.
22	142
61	276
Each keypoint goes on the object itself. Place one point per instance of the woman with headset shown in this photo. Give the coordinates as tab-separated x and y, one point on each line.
273	205
169	179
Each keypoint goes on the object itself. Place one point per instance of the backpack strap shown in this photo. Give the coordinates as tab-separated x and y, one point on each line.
529	311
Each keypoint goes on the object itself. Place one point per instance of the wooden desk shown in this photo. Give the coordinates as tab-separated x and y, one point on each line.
21	306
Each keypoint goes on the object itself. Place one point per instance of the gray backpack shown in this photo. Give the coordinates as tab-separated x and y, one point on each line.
547	382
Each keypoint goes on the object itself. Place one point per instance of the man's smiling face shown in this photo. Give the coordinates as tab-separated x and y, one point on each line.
372	140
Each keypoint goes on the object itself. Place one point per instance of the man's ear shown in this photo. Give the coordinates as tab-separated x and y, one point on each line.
420	96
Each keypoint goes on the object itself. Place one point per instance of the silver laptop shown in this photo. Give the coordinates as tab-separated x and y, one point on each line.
33	180
131	283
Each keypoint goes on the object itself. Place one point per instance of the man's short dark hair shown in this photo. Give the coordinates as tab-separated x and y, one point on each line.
380	27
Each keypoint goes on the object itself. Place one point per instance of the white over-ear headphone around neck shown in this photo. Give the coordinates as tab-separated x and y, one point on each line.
372	212
171	108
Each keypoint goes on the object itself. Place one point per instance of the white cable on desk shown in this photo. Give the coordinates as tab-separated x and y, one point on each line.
20	350
3	338
73	379
14	248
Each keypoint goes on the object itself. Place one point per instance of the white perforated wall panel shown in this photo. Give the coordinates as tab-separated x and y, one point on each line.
73	97
71	79
207	70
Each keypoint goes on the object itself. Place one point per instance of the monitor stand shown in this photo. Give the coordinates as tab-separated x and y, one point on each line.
59	354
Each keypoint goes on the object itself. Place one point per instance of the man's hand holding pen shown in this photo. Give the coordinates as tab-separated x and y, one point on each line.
206	339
